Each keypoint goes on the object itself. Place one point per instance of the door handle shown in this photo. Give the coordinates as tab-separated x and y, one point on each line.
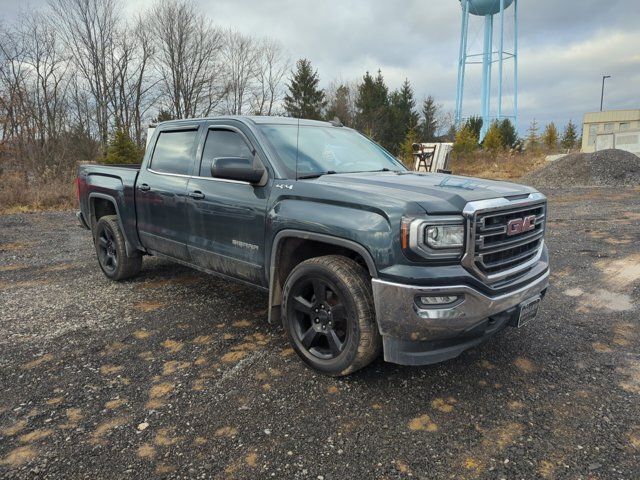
144	187
197	195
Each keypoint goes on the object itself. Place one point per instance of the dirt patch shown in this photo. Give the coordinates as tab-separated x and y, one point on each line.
158	394
623	273
226	432
105	427
35	435
423	423
19	456
146	451
37	362
173	346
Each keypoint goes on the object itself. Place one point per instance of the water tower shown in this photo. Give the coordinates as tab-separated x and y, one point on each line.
489	9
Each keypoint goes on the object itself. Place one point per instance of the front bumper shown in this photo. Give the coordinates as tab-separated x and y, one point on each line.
414	335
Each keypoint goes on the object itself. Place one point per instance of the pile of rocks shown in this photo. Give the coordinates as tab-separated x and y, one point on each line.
609	168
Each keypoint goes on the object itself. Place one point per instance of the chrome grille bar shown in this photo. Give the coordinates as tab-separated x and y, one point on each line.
491	254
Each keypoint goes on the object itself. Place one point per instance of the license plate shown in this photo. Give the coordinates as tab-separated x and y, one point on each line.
528	311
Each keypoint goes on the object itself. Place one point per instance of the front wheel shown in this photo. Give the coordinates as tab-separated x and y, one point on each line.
329	315
112	251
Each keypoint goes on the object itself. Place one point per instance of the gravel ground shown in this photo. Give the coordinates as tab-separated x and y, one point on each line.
608	168
178	374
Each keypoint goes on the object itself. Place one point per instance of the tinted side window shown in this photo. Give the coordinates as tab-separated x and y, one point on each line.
223	143
174	152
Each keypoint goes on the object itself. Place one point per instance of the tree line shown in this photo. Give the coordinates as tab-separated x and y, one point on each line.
390	117
501	135
77	78
80	82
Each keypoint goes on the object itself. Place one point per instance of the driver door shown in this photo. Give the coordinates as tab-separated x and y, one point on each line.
227	217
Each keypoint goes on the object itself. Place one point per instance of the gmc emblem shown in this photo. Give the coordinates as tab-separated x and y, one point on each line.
521	225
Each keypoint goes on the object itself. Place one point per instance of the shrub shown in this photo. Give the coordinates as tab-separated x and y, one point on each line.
123	150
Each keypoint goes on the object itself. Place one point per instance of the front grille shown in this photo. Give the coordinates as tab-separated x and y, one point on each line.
494	254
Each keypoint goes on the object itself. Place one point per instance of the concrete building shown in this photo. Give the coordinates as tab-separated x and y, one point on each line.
611	129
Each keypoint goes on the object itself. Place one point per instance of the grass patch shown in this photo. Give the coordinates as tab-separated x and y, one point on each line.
22	194
500	166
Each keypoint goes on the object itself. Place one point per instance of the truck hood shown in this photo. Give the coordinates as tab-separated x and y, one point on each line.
435	192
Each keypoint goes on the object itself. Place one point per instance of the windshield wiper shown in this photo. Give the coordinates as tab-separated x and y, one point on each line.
385	169
316	175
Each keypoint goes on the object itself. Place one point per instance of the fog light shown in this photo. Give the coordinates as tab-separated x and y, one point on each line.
438	301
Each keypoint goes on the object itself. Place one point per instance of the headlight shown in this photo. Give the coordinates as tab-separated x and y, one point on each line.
434	237
444	236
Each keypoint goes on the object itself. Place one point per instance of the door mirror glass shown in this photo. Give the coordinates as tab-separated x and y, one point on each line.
237	168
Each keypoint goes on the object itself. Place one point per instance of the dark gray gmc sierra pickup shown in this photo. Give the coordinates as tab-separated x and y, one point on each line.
358	254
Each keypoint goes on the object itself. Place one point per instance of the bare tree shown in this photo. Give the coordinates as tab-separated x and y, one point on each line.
89	28
131	92
188	55
271	67
240	54
34	79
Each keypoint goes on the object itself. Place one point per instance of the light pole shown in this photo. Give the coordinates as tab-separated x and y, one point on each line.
604	77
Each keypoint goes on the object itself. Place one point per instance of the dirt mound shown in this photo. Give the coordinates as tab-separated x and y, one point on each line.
611	168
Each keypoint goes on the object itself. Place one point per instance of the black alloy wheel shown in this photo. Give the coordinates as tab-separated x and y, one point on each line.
320	318
111	250
107	252
329	316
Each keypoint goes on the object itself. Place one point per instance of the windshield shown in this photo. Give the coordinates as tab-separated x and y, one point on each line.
327	149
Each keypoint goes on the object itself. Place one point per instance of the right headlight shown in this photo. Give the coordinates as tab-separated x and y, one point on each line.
434	237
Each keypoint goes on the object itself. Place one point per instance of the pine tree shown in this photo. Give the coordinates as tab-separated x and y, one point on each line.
429	125
163	116
493	141
372	108
304	99
122	150
532	136
339	106
475	125
466	141
403	116
570	136
406	150
508	133
550	137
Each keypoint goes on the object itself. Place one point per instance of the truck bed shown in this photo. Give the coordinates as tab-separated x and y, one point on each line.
113	183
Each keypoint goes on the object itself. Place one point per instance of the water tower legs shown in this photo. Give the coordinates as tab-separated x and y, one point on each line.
487	60
462	63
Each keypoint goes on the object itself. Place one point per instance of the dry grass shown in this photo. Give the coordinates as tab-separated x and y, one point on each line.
502	166
19	194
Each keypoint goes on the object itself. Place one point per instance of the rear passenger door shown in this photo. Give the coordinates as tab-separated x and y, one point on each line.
227	217
161	191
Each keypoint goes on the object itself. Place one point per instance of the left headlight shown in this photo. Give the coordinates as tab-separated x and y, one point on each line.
437	237
444	236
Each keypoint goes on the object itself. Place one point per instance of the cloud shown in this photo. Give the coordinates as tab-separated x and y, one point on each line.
565	46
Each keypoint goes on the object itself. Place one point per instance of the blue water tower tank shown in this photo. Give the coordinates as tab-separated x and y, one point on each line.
485	7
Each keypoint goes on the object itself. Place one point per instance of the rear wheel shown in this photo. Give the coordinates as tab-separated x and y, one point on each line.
329	315
112	252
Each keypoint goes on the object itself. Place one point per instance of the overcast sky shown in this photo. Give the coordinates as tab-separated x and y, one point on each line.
565	46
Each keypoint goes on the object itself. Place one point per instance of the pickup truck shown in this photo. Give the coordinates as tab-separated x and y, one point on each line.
359	255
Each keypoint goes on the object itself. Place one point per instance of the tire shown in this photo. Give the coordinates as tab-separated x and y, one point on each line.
331	328
112	252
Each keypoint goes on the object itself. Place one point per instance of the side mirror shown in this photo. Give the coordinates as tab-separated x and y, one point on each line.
236	168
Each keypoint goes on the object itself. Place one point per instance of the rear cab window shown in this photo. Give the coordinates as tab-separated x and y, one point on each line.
174	152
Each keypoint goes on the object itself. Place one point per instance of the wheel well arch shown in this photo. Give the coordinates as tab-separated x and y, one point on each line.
101	205
291	247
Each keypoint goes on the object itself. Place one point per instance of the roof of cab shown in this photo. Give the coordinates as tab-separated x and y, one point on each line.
253	119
